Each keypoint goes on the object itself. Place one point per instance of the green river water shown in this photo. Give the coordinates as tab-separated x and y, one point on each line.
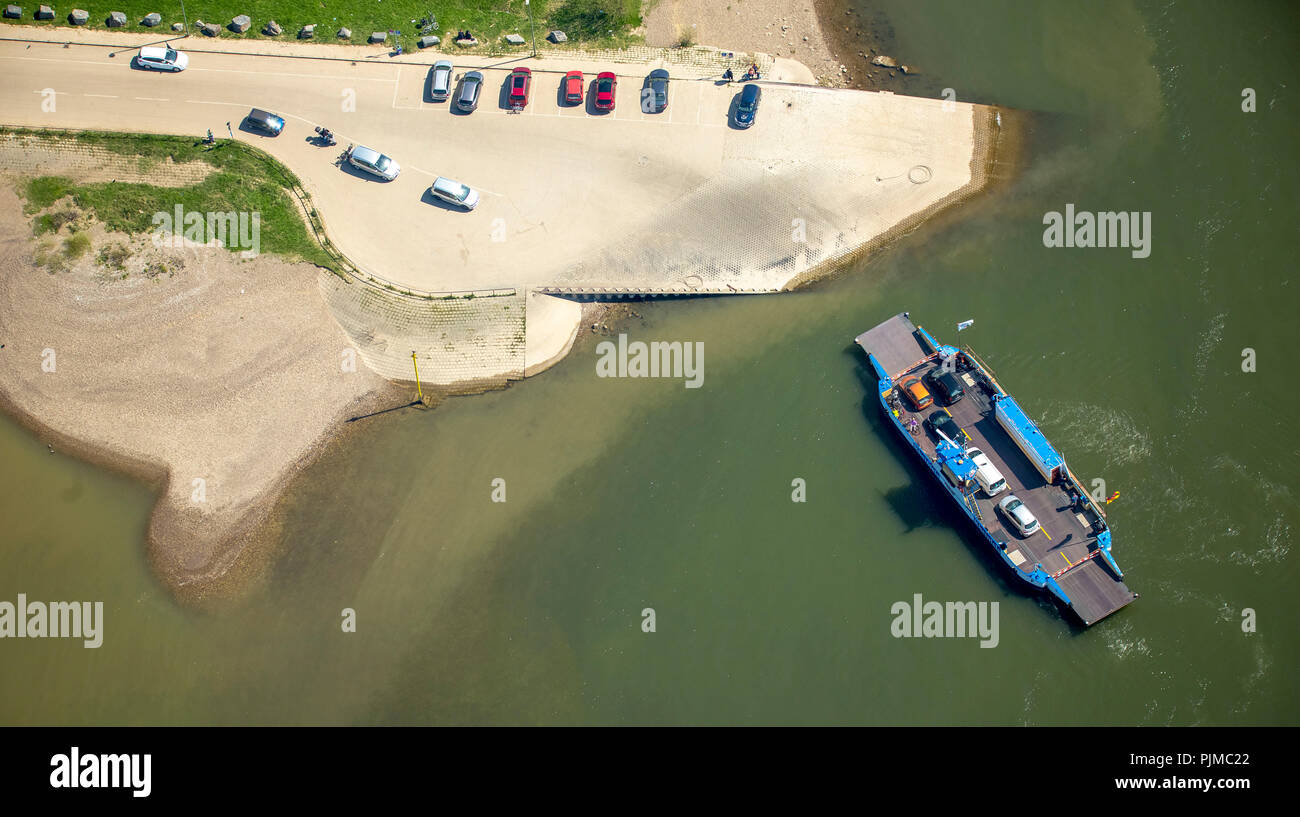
628	494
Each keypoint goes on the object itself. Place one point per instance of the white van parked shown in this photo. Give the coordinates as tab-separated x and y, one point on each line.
986	473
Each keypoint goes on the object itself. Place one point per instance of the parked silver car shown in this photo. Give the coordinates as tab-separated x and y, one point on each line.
1019	515
373	162
162	59
440	80
454	193
471	86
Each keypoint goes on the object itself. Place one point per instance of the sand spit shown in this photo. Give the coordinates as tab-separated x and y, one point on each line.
217	379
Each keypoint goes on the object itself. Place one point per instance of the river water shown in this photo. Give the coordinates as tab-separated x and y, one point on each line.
624	494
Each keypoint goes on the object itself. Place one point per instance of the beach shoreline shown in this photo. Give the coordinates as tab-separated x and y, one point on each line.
213	384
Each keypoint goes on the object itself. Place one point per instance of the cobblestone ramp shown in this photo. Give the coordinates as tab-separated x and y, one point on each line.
52	156
460	342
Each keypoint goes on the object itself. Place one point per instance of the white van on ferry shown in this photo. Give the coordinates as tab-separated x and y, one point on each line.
986	473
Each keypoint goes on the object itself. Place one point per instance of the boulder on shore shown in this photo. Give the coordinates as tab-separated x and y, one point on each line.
884	62
79	17
210	29
344	33
44	13
13	12
378	36
429	41
152	19
515	39
558	37
116	19
307	32
272	29
241	24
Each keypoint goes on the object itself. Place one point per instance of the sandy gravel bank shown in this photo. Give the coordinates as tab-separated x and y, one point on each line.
217	379
823	35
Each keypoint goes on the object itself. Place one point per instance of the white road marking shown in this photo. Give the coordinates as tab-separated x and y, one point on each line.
151	99
209	102
102	96
397	84
284	74
100	64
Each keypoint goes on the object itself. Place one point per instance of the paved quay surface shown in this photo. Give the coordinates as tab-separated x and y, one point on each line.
574	202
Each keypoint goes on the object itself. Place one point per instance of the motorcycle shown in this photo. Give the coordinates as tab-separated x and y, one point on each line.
326	136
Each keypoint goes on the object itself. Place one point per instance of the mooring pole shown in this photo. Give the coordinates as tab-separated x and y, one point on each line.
532	26
419	394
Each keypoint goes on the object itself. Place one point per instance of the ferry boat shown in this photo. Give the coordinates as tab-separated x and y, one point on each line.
997	467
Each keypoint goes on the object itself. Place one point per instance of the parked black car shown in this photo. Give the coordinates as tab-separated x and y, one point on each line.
747	106
947	386
654	97
941	422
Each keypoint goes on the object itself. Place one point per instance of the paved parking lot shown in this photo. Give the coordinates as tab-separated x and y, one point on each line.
559	183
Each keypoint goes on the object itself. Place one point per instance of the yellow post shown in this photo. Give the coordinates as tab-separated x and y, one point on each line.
418	393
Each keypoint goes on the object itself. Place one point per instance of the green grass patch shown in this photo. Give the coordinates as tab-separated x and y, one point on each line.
244	180
487	20
44	191
75	246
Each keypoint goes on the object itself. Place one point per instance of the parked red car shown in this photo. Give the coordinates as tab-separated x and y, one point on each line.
519	82
606	85
573	87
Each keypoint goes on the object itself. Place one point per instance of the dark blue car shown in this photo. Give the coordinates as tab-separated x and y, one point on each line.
747	107
266	121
